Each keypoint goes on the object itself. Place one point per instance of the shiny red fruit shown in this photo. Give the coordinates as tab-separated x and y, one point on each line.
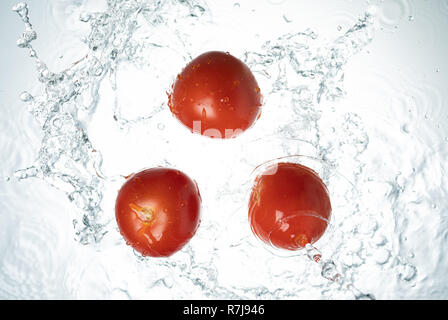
289	206
158	211
216	95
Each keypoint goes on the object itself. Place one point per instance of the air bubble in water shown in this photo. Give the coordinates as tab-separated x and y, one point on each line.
27	36
22	10
19	6
84	17
405	128
330	272
197	11
407	272
25	96
26	173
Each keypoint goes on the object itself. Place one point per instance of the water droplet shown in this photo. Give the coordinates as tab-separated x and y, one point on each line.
32	53
26	173
84	16
330	272
27	36
313	253
406	272
197	11
405	128
286	19
19	6
113	54
25	96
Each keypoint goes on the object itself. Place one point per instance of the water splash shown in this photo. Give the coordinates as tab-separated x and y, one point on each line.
307	71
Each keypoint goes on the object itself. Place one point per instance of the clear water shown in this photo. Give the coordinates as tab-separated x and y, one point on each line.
360	86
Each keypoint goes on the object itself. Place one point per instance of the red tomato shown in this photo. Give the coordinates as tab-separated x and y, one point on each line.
158	211
289	206
216	95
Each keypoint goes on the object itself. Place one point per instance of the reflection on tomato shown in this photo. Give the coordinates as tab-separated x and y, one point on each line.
158	211
289	206
216	95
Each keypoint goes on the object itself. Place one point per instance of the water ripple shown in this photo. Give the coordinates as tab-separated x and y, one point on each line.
393	12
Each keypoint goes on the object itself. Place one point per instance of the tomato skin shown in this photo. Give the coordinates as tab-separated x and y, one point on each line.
289	206
158	211
216	95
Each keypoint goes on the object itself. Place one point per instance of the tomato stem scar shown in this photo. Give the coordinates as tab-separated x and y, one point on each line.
144	214
301	240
